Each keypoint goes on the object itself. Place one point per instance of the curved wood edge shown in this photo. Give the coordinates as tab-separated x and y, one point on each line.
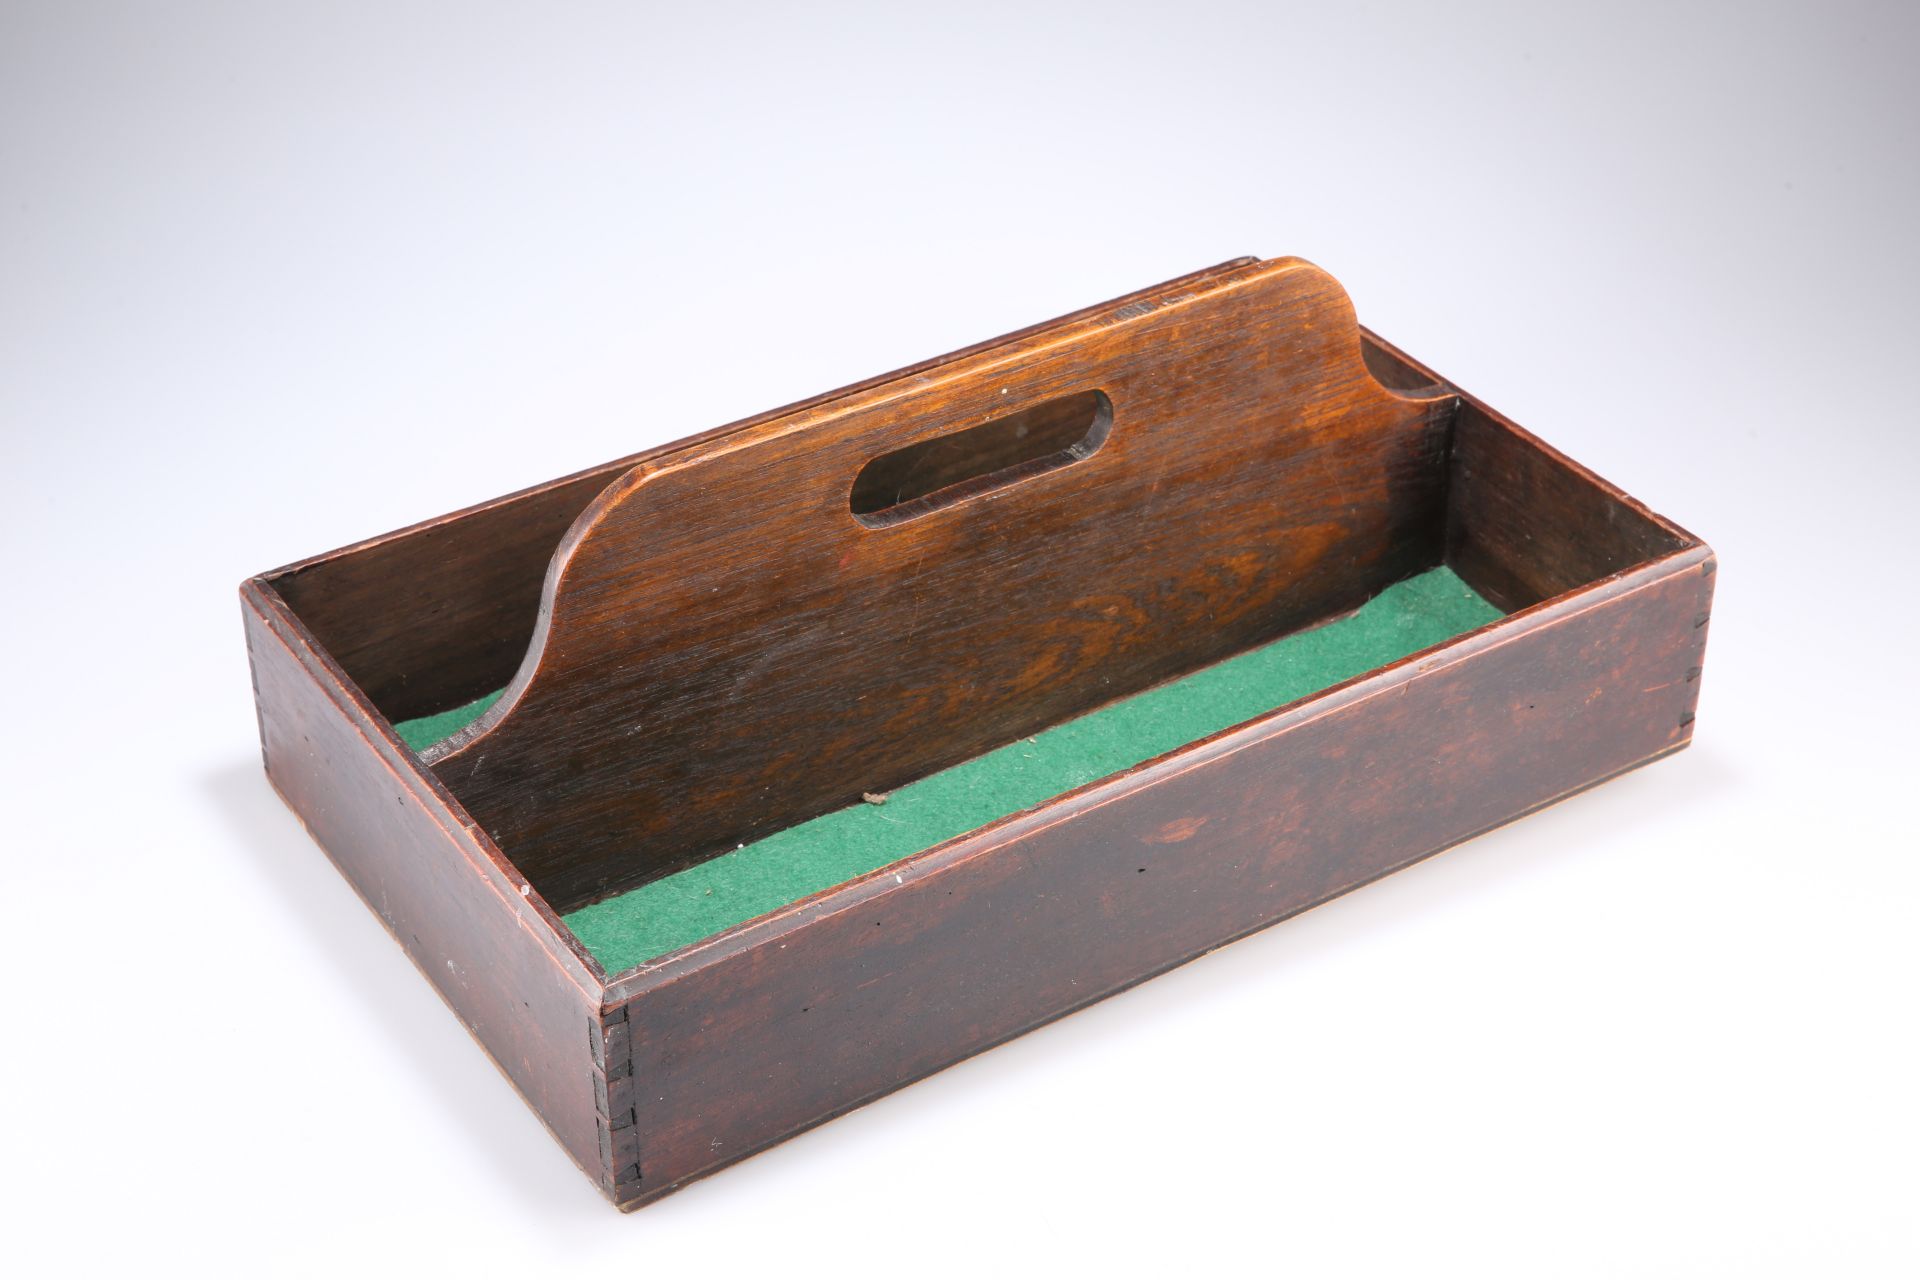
1020	346
968	361
611	472
440	612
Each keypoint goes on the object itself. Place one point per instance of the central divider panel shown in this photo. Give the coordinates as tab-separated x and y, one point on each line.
744	634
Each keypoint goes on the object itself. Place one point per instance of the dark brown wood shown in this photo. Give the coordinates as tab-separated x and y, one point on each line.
846	996
1525	522
1523	526
725	649
513	974
662	1074
441	612
918	479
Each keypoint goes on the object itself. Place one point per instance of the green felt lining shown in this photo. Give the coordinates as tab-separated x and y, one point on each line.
427	730
645	923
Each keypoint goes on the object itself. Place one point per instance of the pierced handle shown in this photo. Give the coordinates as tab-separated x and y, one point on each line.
923	477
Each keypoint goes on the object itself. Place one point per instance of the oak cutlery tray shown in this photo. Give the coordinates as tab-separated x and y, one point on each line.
731	785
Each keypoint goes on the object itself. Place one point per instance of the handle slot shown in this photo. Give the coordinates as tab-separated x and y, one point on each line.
931	474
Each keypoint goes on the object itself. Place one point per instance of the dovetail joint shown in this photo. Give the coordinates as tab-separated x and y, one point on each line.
616	1115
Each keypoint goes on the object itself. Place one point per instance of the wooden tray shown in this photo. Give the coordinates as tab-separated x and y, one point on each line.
698	649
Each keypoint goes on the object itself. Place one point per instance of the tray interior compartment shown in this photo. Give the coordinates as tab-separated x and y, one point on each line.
662	915
432	622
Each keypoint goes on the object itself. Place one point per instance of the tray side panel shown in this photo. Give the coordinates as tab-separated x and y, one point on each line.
1525	523
807	1014
487	948
440	615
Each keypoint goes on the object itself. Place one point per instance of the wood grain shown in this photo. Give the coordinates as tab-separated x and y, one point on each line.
837	999
503	962
1281	481
1523	526
439	613
725	649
